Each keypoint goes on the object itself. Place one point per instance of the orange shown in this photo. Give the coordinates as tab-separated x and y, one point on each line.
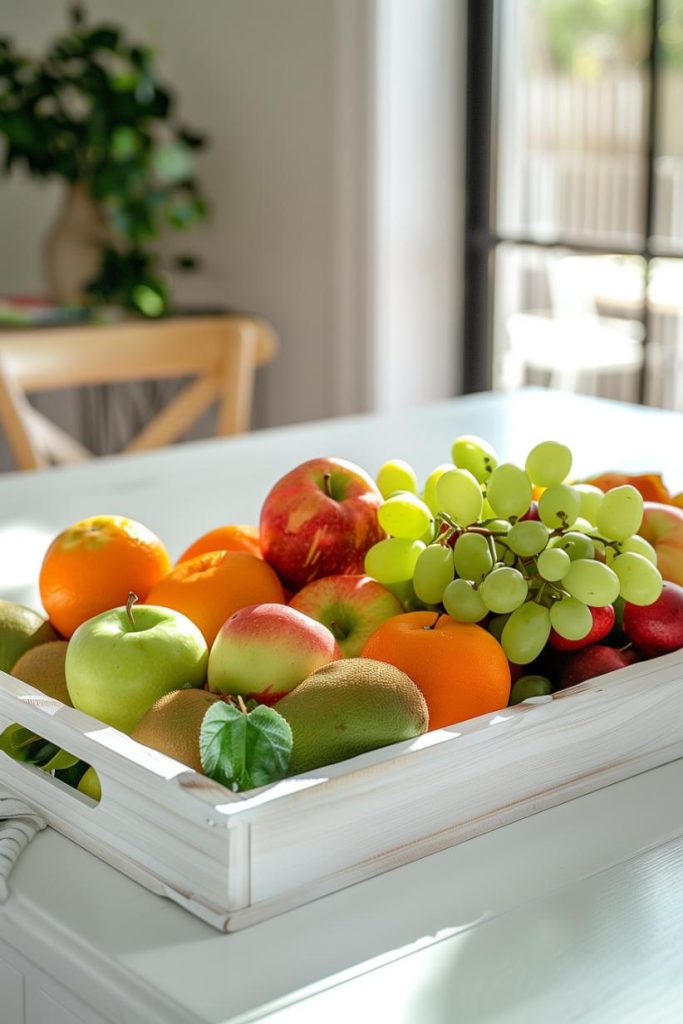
650	485
210	588
225	538
461	669
93	566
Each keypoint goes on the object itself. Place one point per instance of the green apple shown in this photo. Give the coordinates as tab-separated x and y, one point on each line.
122	661
21	629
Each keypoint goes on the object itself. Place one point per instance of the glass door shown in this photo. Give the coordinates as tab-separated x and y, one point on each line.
575	197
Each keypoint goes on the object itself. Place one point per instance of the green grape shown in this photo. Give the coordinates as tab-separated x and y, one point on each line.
571	618
592	582
487	513
582	525
508	491
463	603
577	545
526	632
503	590
640	582
472	556
433	572
403	590
558	506
496	624
474	454
637	544
553	564
429	536
393	560
404	515
459	495
429	492
499	529
396	475
620	513
529	686
528	538
548	463
591	499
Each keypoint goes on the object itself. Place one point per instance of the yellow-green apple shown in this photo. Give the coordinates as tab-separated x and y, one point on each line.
319	520
656	628
265	650
352	608
662	526
21	629
120	662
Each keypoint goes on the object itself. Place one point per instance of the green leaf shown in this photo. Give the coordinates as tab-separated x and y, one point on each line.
172	162
23	745
73	775
241	749
15	741
59	761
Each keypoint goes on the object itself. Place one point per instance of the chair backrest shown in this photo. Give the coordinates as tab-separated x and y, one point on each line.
220	353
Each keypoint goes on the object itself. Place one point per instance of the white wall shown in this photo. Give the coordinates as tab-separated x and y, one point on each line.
313	108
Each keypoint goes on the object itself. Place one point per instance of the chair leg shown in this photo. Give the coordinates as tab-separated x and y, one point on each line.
15	419
237	384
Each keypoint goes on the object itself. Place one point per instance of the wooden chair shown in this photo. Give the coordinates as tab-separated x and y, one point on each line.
221	353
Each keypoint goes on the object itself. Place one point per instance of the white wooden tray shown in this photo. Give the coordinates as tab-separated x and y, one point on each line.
234	859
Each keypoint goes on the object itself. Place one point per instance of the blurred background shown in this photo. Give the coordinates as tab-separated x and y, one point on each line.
422	197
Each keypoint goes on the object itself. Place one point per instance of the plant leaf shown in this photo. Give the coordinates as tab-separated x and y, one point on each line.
241	750
16	741
59	761
23	745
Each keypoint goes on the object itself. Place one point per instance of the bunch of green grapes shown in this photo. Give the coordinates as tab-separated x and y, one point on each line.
474	543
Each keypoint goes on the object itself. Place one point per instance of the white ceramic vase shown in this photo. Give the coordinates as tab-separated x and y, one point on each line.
73	246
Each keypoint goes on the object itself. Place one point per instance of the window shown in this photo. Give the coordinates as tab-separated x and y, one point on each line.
574	257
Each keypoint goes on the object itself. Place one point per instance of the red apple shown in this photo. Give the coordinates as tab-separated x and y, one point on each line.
531	513
352	607
265	650
656	628
603	621
593	661
319	520
662	525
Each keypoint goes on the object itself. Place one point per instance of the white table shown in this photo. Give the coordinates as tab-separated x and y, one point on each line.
574	914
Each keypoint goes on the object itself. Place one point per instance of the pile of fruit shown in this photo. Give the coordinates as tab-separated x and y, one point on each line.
358	614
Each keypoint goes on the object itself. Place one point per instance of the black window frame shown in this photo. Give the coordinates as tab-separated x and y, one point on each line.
481	237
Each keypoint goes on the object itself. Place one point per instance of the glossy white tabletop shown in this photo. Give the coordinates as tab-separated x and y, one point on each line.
562	915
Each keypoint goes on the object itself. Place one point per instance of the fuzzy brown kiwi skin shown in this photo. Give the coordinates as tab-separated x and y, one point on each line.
43	668
349	707
172	725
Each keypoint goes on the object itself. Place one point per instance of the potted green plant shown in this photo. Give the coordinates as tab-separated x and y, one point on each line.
92	112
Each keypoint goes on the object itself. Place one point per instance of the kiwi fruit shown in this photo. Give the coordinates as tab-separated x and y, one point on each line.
43	667
172	725
21	629
349	707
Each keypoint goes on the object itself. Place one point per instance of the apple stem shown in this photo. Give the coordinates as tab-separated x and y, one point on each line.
132	598
433	625
327	484
241	705
336	630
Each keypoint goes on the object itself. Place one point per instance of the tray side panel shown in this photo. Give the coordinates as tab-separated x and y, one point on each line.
524	760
